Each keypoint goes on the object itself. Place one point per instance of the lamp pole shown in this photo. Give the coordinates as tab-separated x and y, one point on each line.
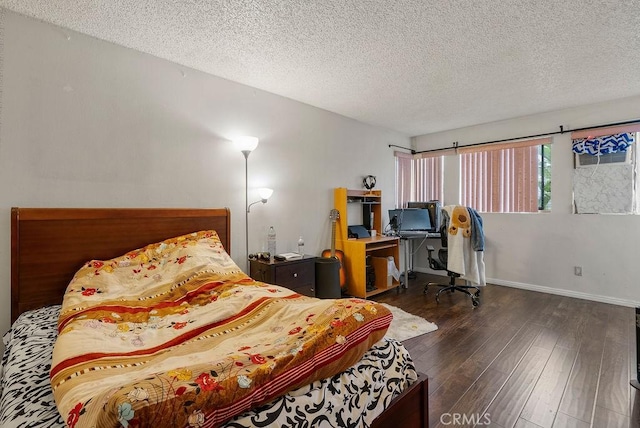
246	144
246	210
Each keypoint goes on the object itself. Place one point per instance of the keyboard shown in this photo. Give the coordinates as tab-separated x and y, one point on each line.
418	234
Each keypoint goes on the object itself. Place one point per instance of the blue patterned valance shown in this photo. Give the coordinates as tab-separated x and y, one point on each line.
604	145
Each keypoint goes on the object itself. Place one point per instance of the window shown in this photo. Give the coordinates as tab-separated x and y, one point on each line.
418	178
507	177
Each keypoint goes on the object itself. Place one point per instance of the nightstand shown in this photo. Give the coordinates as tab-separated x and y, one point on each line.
298	275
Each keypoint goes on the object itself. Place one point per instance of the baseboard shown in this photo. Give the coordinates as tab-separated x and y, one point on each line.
558	291
567	293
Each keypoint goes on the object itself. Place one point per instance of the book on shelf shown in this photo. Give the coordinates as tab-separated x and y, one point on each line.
291	256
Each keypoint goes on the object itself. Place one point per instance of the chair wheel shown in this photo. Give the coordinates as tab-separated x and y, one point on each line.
477	293
426	288
475	303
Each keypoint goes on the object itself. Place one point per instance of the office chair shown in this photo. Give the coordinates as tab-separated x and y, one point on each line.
440	263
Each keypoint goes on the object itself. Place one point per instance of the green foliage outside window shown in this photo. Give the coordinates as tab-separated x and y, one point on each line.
544	178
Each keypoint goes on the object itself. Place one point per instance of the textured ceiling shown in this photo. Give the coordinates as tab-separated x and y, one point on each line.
414	66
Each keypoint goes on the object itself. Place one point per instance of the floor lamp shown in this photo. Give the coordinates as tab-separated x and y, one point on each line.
247	144
265	194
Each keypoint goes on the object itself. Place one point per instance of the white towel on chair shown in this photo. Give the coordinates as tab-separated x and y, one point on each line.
461	257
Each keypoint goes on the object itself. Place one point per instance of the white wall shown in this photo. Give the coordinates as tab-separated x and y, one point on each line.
539	251
85	123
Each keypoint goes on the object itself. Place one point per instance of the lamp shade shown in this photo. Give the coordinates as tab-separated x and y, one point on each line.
246	143
265	193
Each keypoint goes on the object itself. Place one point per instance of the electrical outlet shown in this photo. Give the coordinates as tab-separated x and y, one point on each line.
577	270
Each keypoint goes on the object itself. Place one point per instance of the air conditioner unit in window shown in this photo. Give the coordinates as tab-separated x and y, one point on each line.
588	161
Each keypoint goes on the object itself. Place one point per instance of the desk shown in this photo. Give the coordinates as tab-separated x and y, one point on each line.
408	239
355	260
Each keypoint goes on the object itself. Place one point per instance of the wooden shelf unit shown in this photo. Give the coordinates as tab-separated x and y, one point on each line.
356	250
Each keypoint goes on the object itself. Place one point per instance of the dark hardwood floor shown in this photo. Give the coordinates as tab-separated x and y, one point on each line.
523	359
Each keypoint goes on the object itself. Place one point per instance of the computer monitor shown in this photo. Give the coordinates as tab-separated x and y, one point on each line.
410	219
434	208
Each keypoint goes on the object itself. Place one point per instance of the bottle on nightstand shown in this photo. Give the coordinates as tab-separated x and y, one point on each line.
271	243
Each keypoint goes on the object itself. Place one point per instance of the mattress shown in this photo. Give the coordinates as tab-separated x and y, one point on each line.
354	397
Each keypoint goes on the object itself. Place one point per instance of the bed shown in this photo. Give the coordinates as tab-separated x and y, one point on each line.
49	246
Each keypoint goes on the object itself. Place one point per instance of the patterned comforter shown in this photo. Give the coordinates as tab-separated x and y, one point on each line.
174	334
354	397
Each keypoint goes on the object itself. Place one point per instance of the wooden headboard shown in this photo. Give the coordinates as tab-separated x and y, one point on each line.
48	245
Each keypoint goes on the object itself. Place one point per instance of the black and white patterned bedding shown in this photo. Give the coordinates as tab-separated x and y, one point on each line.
352	398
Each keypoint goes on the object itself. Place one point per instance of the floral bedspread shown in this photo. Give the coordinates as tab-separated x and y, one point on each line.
174	334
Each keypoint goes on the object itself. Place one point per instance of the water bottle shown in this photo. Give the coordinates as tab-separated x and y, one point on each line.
271	243
301	246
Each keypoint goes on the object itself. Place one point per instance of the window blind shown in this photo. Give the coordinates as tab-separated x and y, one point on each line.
501	177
